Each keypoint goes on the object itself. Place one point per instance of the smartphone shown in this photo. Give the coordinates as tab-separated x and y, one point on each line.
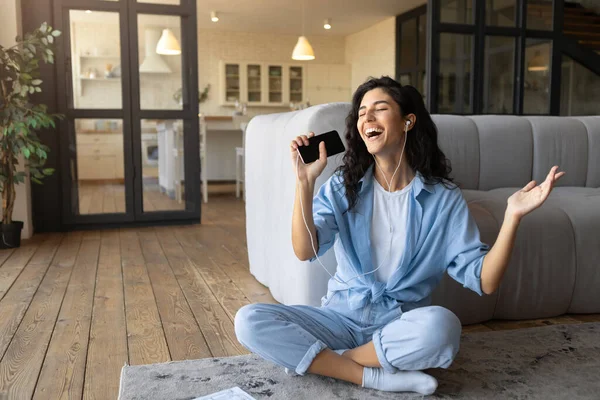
333	145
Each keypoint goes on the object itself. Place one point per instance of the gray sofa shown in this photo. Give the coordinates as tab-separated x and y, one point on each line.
555	266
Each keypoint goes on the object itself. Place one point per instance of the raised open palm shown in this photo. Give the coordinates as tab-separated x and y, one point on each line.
531	196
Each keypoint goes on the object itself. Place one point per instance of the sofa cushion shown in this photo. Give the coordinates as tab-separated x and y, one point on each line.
592	125
459	140
505	151
563	142
540	278
583	211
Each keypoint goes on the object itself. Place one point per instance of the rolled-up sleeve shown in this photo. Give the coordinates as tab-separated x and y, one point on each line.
324	219
465	251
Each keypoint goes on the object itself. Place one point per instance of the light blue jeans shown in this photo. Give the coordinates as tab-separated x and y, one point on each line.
292	336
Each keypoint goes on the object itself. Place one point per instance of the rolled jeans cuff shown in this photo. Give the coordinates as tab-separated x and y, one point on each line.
387	367
310	355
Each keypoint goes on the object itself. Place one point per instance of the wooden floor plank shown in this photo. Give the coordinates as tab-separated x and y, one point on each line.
14	305
97	202
107	351
222	287
146	339
213	239
63	370
181	329
5	253
16	261
214	322
476	328
120	199
21	364
585	317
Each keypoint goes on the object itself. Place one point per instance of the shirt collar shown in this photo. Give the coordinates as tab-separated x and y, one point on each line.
419	184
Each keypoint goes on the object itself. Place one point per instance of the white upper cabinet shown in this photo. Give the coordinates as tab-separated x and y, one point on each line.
262	84
279	84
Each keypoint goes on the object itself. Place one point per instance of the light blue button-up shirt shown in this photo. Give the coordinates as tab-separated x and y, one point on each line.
441	235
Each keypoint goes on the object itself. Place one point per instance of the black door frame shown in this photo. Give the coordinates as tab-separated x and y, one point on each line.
131	114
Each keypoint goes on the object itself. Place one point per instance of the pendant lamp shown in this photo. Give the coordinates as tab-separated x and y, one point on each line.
303	50
168	44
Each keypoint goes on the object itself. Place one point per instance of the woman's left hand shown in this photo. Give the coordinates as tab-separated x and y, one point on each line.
531	197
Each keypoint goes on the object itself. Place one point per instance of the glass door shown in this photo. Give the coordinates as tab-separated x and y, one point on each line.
132	121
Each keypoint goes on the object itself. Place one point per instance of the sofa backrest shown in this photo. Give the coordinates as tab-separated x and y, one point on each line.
494	151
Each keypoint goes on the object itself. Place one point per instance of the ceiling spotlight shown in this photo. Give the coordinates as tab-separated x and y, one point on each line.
327	24
213	16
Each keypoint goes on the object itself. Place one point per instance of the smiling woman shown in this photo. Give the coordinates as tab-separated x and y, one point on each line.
384	103
376	326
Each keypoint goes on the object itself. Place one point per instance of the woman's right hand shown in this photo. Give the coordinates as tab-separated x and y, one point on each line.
307	172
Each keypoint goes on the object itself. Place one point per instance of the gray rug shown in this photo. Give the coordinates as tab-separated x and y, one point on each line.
552	362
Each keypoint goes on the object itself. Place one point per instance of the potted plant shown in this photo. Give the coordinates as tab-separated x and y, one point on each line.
20	117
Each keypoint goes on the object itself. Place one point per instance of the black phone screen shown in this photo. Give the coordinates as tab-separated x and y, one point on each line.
333	145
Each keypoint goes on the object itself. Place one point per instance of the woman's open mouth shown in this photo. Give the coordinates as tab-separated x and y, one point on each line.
373	133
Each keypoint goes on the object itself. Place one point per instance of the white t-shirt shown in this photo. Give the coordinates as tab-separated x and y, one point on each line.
388	208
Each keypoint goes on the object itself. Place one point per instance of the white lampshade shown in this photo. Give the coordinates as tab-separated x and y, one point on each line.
303	50
168	44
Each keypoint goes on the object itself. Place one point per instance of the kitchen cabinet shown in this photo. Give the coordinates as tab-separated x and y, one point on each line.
100	156
262	84
279	84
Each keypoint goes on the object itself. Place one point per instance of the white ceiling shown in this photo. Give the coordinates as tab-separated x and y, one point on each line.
278	16
285	16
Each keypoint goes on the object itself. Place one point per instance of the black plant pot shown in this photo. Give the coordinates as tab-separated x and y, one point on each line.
10	235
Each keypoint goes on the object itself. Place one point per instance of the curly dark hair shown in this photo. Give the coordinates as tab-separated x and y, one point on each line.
422	151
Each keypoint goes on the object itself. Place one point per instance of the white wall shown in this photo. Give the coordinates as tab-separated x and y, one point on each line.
9	29
241	46
372	52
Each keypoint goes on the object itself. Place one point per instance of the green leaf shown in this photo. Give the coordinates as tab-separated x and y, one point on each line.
45	41
48	171
56	33
50	38
36	180
26	152
38	90
44	26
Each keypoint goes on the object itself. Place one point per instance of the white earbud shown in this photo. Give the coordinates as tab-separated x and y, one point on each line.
407	123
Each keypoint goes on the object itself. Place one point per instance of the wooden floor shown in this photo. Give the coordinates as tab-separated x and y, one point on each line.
103	198
74	308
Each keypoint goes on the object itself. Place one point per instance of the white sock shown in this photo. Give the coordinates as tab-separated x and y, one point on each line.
401	381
